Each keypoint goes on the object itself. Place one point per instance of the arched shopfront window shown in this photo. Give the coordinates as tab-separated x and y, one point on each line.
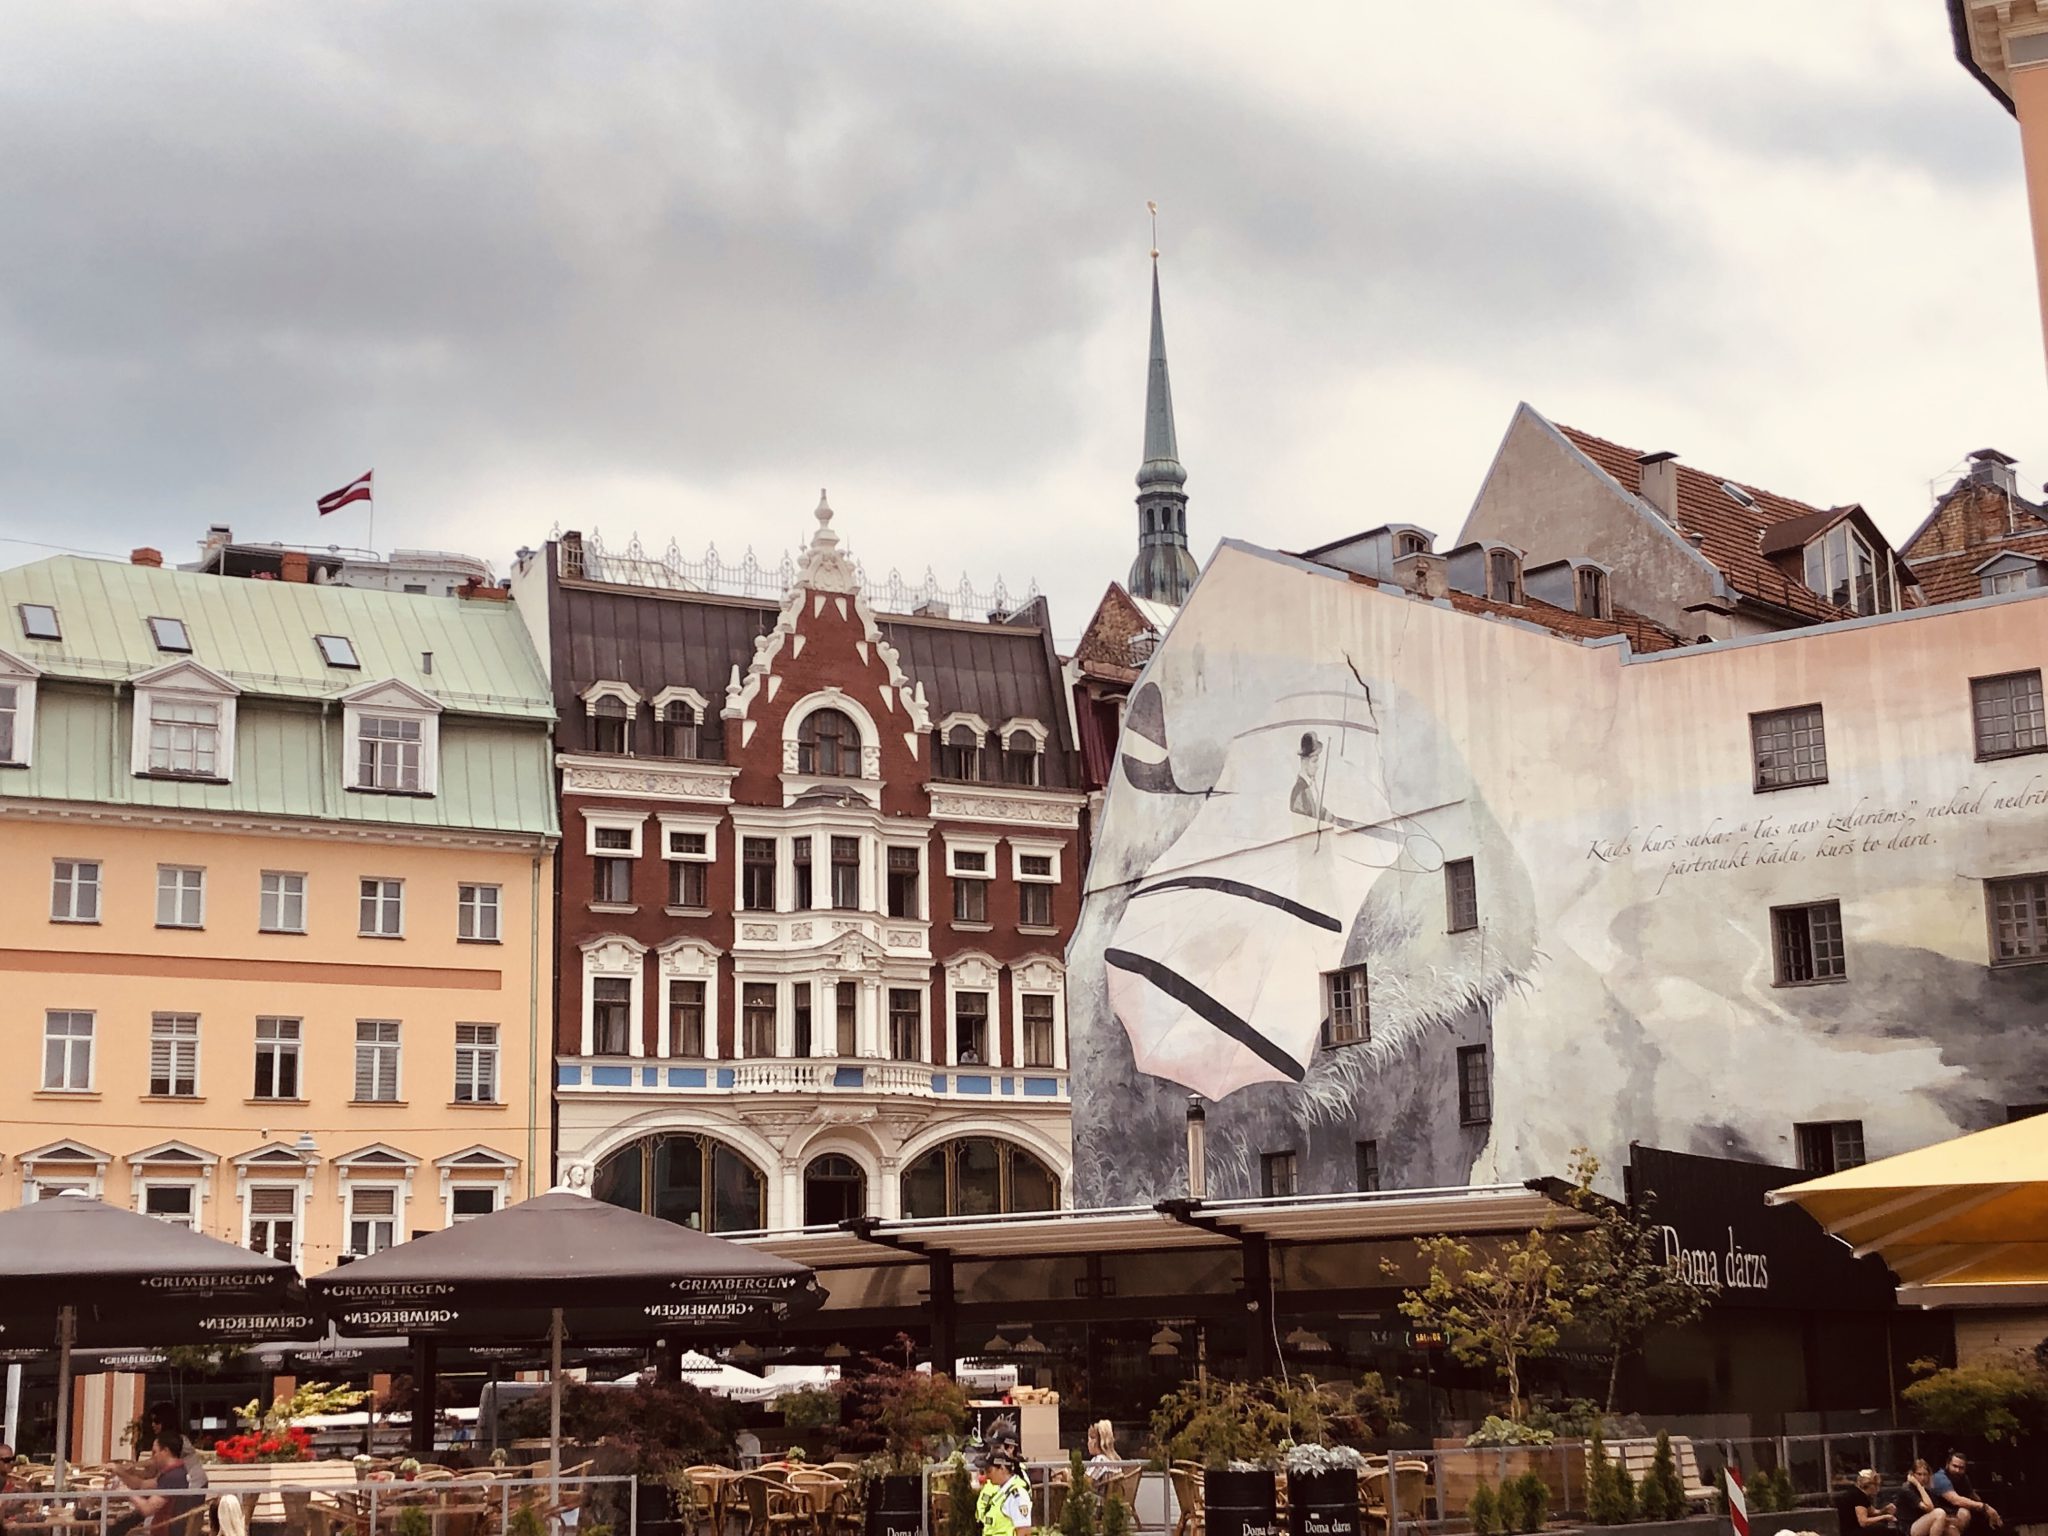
978	1176
835	1190
693	1181
828	744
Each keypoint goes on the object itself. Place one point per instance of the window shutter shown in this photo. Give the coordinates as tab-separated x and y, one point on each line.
366	1073
159	1061
270	1201
374	1202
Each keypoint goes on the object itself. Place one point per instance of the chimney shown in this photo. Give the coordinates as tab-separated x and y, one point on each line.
1424	574
293	566
1657	481
154	558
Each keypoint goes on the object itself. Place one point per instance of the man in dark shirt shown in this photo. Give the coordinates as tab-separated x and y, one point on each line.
168	1486
1952	1488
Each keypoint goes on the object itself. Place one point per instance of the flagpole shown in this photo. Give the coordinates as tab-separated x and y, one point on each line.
373	519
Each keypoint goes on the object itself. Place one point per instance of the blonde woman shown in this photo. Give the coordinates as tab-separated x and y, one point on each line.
1856	1508
1103	1461
1919	1513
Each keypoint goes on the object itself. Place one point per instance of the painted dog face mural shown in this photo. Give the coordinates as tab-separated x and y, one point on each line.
1215	969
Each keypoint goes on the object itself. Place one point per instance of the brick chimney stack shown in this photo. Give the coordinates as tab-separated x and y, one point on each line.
153	558
292	566
1657	480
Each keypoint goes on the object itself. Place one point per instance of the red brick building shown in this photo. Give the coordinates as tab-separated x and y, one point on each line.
819	870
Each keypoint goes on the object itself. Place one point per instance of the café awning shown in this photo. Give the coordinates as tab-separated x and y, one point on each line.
1961	1223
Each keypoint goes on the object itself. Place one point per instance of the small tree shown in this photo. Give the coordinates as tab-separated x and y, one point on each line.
1511	1502
963	1517
1503	1309
1663	1494
1116	1515
1621	1287
1483	1510
1999	1401
1077	1517
1535	1509
1605	1504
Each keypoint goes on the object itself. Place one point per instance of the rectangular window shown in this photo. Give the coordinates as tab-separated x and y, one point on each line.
1347	1007
184	738
10	713
2019	919
611	1015
1461	896
1279	1175
906	1025
376	1061
174	1055
281	902
803	894
846	1018
180	896
1829	1146
757	1019
177	1204
75	891
67	1051
686	1019
277	1059
372	1219
845	874
1807	942
611	726
273	1221
903	883
1021	758
39	622
337	651
802	1041
2008	715
466	1204
970	870
476	913
686	886
170	635
1789	747
1368	1166
970	1029
1475	1086
611	880
757	874
1037	1022
1034	906
675	729
381	913
388	753
476	1063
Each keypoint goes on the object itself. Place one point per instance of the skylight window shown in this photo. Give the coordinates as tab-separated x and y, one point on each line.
1738	495
337	650
39	622
170	635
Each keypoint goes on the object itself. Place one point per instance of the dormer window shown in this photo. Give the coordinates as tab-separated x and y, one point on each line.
17	710
1503	576
679	723
1589	585
1023	747
184	738
611	727
2009	573
39	622
170	635
960	743
1842	567
337	651
184	723
387	753
1406	544
393	739
828	745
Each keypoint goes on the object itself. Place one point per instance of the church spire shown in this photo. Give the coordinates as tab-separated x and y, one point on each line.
1164	570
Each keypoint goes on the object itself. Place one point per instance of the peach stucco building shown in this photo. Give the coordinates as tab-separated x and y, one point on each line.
277	922
2004	43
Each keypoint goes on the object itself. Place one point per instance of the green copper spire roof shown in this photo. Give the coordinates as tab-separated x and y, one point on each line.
1164	570
1162	452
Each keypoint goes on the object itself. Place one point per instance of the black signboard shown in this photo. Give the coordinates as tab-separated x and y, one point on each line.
1716	1230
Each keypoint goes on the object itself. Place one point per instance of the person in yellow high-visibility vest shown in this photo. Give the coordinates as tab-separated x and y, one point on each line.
1004	1504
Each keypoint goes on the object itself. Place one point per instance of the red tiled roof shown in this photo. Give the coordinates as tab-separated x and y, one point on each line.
1731	534
1643	634
1953	578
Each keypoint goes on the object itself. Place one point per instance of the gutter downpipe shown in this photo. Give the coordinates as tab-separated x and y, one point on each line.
533	1029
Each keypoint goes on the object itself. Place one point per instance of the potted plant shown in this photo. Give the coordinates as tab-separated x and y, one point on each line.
812	1411
1322	1489
264	1454
1235	1430
904	1418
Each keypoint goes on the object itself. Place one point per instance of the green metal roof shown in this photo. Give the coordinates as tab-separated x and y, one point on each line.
259	634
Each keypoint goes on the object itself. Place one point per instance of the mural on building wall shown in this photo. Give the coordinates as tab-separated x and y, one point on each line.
1304	756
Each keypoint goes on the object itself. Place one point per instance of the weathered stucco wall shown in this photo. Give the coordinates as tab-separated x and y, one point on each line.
1304	747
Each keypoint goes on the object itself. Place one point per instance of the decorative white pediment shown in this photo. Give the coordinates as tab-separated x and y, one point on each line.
678	695
478	1159
13	669
1038	973
961	717
375	1157
276	1155
186	676
167	1154
1033	728
611	688
972	970
390	693
612	954
688	957
18	702
64	1152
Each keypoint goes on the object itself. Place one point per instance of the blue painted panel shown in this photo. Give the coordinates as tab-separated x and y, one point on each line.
611	1077
1042	1087
725	1077
650	1077
568	1077
687	1077
973	1085
938	1082
1009	1085
850	1077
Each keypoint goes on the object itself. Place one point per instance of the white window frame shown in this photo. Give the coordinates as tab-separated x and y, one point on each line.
181	892
382	898
92	1056
688	959
924	883
679	695
831	697
1040	975
614	821
973	971
885	1041
397	1049
297	1051
981	845
615	957
298	1216
72	888
173	1165
491	1051
86	1171
145	1186
705	827
176	1039
351	1188
183	681
469	910
458	1170
283	895
388	698
1038	733
21	676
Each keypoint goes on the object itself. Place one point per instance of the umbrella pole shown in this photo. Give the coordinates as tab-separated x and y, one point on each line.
67	1325
555	1401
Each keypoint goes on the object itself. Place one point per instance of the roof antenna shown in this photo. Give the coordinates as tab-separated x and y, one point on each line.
1153	209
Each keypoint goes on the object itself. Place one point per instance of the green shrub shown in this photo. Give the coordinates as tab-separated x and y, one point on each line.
962	1518
1624	1495
1512	1502
526	1521
413	1520
1999	1400
1077	1518
1116	1517
1534	1506
1610	1491
1663	1495
1483	1510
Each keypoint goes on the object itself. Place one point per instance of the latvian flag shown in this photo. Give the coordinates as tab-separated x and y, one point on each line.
355	490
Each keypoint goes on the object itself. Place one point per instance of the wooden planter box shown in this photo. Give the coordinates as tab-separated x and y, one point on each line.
264	1477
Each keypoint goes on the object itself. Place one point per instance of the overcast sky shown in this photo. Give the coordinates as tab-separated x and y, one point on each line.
671	268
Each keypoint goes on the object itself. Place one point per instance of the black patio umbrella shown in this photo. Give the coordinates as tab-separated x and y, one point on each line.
97	1274
561	1264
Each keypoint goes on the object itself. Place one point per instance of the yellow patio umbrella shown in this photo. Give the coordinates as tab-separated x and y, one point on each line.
1961	1223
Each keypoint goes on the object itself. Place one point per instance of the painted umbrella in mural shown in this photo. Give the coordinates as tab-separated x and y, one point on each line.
557	1266
75	1269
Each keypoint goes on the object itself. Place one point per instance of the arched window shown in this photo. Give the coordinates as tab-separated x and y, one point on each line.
694	1181
1407	544
835	1190
978	1176
675	733
960	752
1592	592
611	726
827	744
1020	757
1504	576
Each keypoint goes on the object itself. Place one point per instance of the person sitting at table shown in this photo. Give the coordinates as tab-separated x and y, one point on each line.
1856	1508
9	1481
1919	1515
164	1418
1104	1464
169	1486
